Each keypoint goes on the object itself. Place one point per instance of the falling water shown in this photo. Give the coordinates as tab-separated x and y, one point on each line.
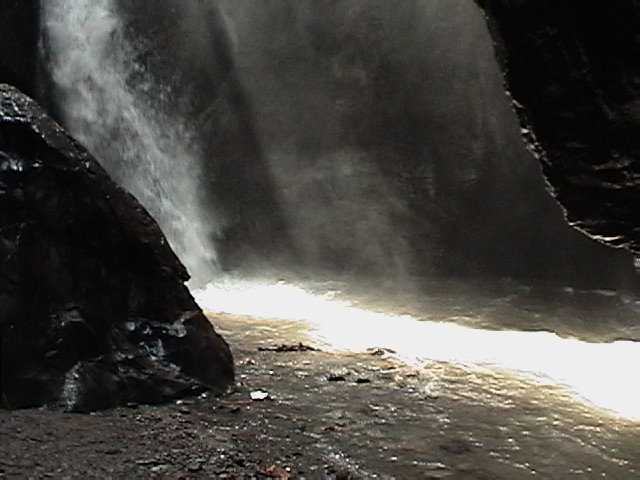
343	206
112	105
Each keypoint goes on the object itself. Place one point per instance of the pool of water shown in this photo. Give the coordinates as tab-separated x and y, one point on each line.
509	379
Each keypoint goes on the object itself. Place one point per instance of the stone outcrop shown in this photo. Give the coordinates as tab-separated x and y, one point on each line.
573	70
93	308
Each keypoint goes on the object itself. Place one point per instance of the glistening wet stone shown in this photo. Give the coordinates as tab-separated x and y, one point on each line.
94	312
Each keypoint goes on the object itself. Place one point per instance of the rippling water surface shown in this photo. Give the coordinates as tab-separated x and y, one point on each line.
541	380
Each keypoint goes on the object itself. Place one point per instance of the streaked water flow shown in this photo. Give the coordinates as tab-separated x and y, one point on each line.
117	110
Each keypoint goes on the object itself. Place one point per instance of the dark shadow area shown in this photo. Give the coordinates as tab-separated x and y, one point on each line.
20	33
573	69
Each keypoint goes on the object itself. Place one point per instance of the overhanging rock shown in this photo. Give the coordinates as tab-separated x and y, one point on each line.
573	70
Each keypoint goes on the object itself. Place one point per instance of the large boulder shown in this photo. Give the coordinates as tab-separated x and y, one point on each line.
573	70
93	308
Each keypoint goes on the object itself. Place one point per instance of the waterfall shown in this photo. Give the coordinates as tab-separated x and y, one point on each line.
109	102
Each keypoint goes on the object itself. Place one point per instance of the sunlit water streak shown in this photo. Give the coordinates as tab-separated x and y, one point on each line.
600	373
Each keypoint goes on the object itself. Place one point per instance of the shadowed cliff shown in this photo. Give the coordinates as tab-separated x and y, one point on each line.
573	70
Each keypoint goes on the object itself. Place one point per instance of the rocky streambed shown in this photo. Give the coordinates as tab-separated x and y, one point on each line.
303	413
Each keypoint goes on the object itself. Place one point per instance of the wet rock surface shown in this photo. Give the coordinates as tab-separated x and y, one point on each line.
93	308
573	71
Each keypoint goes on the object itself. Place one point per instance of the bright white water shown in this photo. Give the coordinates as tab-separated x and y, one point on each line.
595	372
117	111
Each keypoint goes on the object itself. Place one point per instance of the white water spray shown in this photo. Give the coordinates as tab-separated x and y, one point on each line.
110	103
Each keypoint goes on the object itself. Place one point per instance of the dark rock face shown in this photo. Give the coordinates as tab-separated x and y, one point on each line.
20	32
573	69
93	309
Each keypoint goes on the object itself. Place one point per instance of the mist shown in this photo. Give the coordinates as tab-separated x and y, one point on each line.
319	140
